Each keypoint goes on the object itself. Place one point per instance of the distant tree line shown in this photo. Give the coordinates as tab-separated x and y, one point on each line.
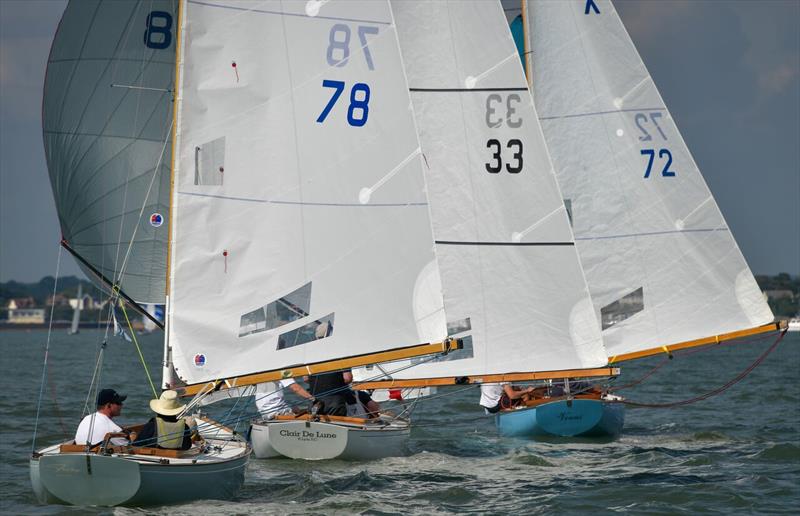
783	293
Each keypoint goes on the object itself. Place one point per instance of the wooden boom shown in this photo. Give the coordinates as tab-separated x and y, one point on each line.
716	339
488	378
445	346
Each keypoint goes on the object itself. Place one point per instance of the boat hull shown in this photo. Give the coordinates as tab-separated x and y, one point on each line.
580	418
110	480
315	440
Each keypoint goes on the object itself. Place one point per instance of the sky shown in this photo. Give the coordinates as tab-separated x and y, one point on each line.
729	71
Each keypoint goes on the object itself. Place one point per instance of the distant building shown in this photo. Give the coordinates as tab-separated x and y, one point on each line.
84	303
58	300
21	311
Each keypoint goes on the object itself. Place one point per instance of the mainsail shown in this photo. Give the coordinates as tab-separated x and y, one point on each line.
106	117
661	263
512	283
300	224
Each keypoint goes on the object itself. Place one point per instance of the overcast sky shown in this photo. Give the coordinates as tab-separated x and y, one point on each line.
729	72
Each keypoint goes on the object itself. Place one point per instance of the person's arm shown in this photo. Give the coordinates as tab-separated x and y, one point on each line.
514	394
300	391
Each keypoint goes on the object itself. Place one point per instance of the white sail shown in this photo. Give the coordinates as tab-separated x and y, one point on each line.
300	223
660	260
512	283
106	118
76	313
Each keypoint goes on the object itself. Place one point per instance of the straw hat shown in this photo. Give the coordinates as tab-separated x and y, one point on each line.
167	404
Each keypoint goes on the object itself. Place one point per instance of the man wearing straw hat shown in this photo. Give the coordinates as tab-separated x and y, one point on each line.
166	430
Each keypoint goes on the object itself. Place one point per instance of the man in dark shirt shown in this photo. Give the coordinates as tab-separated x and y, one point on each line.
331	392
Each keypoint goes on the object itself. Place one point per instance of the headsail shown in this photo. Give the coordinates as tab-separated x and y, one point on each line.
106	116
512	283
300	221
660	260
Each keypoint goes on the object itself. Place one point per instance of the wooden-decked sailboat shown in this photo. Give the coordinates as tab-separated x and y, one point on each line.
316	238
298	204
513	286
662	267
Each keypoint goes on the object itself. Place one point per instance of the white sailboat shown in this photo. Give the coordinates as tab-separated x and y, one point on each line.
512	282
298	203
332	222
662	267
106	121
76	314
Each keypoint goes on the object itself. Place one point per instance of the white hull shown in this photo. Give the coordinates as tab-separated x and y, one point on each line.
317	440
81	478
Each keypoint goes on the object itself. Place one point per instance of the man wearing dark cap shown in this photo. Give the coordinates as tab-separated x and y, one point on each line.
98	424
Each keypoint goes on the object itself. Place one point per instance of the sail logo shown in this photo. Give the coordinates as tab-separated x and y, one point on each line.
199	360
156	219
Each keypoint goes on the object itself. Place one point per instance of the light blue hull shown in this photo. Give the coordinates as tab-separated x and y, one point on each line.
581	418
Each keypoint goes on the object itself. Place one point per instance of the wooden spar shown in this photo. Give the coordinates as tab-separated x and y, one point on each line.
110	284
487	378
176	91
323	367
716	339
526	65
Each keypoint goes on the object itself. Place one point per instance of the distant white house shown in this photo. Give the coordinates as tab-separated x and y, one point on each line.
84	303
22	311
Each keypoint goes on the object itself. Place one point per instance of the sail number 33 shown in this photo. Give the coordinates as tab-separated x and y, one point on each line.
338	54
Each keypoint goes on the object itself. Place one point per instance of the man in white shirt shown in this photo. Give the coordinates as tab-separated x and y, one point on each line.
493	394
269	397
98	424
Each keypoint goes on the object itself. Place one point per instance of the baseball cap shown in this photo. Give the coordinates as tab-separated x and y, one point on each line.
109	396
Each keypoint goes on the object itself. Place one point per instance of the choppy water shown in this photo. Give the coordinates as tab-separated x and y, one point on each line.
735	453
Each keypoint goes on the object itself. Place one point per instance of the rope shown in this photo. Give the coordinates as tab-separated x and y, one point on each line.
46	354
138	349
716	391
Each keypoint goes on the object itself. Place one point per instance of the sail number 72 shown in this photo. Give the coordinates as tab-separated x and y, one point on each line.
662	153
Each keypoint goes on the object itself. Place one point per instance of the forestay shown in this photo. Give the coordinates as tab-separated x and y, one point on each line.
300	221
107	112
660	260
512	283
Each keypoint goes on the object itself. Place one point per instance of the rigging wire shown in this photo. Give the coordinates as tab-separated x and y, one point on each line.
46	353
139	350
716	391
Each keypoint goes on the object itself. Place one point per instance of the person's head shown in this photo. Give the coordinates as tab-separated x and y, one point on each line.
167	405
109	402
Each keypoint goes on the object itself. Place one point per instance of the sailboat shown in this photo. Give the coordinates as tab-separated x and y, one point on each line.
513	285
662	268
76	313
335	207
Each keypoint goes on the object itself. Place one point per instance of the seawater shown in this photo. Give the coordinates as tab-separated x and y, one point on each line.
738	452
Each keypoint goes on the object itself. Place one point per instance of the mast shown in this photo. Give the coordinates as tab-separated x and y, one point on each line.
167	370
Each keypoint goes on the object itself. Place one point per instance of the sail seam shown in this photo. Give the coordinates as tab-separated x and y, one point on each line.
543	244
306	203
595	113
279	13
653	233
446	90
